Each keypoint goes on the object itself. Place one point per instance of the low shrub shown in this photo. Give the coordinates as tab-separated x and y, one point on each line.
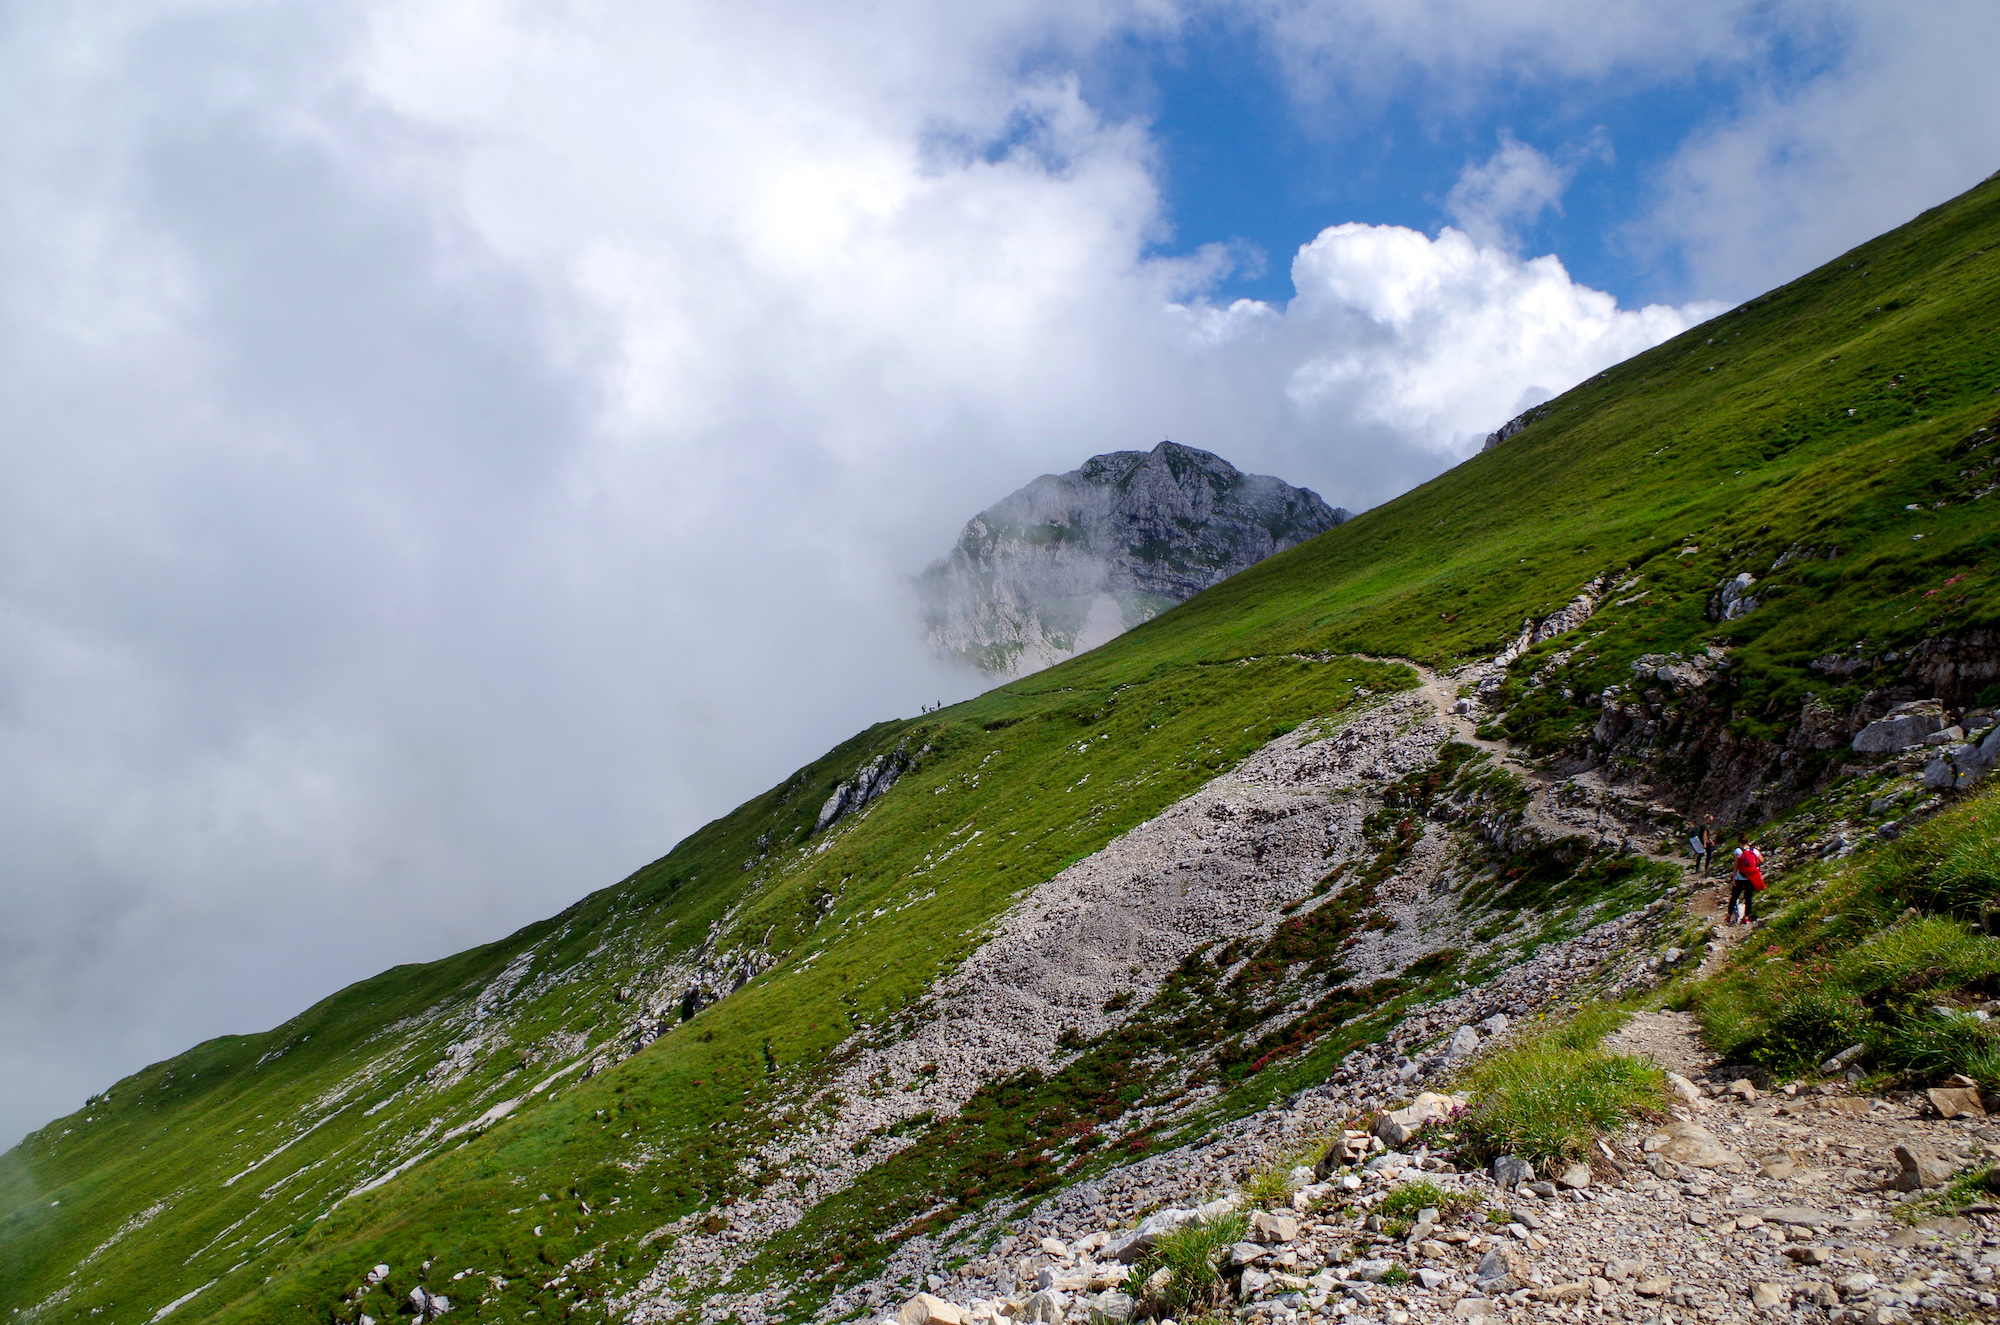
1548	1097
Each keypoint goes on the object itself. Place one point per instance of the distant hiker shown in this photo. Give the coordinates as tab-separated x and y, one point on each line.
1748	880
1702	846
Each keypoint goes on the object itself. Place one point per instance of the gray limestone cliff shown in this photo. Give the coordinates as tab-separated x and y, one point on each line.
1072	560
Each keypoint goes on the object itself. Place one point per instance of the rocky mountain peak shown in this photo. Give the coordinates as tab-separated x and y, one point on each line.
1071	560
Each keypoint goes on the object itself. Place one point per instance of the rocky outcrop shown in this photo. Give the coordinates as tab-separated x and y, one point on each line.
1512	426
870	781
1074	559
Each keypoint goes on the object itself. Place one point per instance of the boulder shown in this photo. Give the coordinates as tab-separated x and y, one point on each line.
1399	1125
1472	1308
1744	1089
1510	1171
924	1309
1657	1286
1142	1239
376	1275
1575	1177
1957	1102
1904	726
1431	1278
1464	1042
1766	1296
1496	1024
1687	1092
1253	1282
1045	1307
1268	1227
1690	1143
1918	1169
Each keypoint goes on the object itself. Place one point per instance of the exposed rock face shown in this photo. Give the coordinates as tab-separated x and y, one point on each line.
1074	559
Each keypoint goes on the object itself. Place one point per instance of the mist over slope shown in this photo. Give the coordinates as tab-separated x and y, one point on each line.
799	1063
1070	560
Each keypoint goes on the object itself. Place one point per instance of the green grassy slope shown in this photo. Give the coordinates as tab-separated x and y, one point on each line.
240	1170
1811	417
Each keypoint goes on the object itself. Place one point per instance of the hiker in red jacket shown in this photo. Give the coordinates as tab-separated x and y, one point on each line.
1748	880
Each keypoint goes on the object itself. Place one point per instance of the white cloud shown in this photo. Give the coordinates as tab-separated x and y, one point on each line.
1509	189
1437	340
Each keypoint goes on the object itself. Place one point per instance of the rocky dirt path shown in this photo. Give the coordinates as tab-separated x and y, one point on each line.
1442	691
1741	1207
1709	899
1671	1039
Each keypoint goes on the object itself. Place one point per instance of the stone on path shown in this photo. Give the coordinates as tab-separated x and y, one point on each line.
1920	1169
1689	1093
1692	1144
1575	1176
1268	1227
1957	1102
1767	1296
1796	1216
1510	1171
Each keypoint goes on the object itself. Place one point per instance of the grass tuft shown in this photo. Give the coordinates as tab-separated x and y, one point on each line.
1192	1255
1546	1098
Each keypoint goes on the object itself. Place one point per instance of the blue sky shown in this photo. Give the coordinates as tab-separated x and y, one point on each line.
1247	159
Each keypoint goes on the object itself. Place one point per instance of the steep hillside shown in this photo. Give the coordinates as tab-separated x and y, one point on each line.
845	1036
1071	560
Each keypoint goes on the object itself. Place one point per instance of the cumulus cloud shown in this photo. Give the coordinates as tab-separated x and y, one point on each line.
451	450
1493	198
1440	340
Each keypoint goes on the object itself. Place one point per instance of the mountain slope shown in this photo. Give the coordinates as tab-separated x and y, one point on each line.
589	1112
1070	560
